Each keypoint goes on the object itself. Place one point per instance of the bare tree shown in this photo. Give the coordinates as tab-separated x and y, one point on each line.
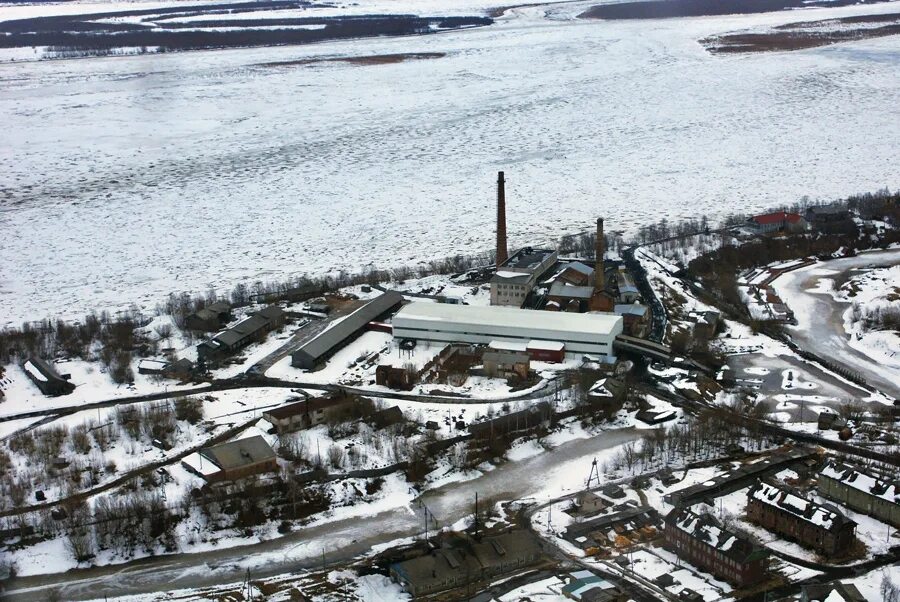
336	456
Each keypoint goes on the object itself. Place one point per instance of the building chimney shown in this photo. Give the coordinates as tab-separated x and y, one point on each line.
599	251
502	252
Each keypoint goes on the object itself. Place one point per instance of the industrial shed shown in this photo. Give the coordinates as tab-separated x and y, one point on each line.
318	349
46	378
579	333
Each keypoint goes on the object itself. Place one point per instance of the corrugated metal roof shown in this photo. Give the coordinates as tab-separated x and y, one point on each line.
505	357
319	347
561	289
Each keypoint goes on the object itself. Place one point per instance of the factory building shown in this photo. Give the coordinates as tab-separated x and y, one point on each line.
517	276
442	323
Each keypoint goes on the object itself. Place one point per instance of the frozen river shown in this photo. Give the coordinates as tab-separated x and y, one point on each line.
820	318
124	179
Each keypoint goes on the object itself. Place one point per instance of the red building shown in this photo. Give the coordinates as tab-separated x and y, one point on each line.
780	221
783	511
546	351
704	543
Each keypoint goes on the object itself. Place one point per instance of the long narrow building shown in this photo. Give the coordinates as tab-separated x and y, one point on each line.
318	349
591	333
861	491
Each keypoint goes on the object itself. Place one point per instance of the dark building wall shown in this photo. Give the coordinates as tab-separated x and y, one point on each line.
53	384
708	558
859	500
270	465
799	529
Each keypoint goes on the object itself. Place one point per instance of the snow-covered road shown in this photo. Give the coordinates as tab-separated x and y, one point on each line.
124	179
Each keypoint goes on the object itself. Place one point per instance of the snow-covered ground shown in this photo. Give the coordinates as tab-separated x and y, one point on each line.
91	381
872	291
184	171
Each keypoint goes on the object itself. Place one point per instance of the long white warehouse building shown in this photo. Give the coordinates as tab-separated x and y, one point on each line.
591	333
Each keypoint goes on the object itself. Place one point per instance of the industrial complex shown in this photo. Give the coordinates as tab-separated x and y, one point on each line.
605	426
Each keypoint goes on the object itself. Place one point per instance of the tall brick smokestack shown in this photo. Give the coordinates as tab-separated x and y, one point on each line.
599	251
502	252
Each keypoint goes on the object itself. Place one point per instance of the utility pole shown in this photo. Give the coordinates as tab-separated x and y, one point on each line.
595	473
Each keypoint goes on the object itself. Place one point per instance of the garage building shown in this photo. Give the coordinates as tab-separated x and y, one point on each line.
579	333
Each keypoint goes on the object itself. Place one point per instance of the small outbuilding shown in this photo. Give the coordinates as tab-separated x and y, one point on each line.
233	460
211	318
506	364
387	417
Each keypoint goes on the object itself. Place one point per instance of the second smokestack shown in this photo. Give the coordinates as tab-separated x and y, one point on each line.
599	252
502	251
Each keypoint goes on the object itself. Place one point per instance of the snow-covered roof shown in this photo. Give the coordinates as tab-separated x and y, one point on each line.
633	309
707	529
569	291
33	371
788	501
508	274
546	345
510	317
195	462
599	389
508	345
152	364
868	484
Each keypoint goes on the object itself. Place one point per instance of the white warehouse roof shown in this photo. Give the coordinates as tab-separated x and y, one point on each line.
495	315
440	322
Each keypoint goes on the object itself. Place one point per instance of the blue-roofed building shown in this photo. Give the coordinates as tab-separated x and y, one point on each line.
585	586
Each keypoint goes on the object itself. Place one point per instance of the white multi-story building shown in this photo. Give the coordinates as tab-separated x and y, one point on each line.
516	277
591	333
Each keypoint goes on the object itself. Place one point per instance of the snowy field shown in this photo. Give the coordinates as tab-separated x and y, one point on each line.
124	179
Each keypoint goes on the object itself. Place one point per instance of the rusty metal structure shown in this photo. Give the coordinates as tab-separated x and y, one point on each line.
502	250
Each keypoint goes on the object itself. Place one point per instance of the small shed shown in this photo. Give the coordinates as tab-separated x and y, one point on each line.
506	364
387	417
546	351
